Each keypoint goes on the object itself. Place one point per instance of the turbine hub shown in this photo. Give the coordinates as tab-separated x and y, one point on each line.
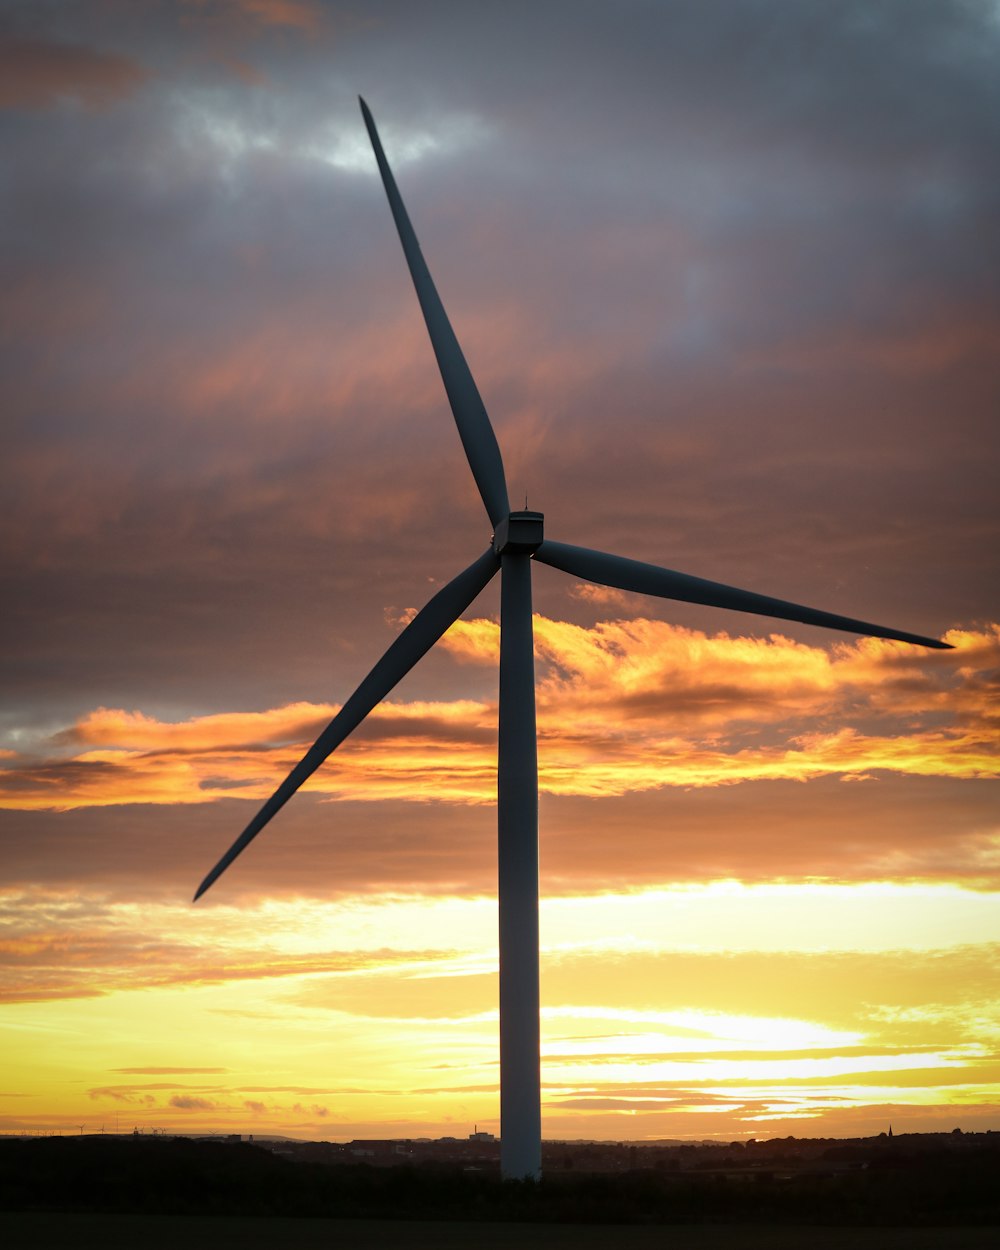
521	533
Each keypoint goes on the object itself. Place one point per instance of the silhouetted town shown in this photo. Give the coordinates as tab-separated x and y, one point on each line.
781	1156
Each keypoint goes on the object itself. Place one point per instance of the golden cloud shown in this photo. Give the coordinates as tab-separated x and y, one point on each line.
623	707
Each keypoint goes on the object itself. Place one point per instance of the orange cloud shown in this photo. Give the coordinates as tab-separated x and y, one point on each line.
654	668
296	14
624	706
54	957
113	727
36	74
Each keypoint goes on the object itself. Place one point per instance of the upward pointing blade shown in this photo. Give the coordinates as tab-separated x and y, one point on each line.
415	640
650	579
474	427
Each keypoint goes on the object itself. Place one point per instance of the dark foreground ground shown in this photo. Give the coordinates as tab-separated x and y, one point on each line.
185	1194
48	1231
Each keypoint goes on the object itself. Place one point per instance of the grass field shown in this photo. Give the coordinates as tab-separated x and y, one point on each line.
46	1231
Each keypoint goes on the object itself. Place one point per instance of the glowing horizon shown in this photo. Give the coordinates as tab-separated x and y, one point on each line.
260	978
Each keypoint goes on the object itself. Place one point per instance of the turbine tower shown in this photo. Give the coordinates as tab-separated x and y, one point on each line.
518	539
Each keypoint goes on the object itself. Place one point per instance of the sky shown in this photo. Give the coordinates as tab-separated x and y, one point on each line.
725	274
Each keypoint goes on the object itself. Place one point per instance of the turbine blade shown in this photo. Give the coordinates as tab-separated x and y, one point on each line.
474	428
415	640
650	579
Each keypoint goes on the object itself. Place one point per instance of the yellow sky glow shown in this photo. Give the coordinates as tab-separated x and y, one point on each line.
332	1020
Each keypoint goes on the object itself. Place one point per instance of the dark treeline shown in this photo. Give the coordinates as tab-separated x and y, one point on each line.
178	1176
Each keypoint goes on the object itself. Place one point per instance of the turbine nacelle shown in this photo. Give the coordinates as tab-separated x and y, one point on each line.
520	533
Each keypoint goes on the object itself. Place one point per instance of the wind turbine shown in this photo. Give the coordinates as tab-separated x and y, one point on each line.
518	538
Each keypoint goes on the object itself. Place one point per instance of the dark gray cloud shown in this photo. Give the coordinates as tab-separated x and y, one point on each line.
724	273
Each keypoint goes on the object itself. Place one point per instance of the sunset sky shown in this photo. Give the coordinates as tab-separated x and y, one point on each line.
726	274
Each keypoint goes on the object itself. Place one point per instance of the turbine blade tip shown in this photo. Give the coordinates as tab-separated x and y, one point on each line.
920	641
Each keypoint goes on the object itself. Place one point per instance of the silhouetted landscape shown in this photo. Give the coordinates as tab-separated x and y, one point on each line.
912	1180
714	301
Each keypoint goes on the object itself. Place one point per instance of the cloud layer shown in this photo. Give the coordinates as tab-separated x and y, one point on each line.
625	706
725	277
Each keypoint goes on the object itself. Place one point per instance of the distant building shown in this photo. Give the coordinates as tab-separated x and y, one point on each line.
378	1148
